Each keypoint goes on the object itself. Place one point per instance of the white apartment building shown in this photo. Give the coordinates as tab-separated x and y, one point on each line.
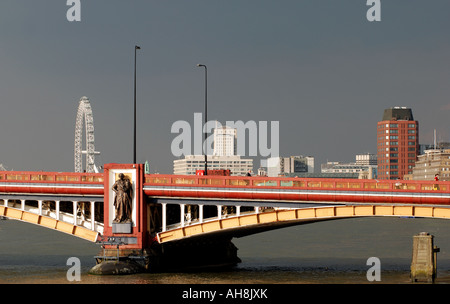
365	166
337	167
280	165
191	163
434	161
367	159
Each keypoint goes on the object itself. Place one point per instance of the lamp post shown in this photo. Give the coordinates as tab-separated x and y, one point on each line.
206	114
134	143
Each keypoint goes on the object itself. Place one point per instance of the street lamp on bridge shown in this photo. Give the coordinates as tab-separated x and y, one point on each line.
206	114
134	143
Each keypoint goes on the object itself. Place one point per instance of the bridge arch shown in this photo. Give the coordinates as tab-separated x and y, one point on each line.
247	224
76	223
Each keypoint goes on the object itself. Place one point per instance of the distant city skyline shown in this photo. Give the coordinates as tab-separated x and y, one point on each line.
318	67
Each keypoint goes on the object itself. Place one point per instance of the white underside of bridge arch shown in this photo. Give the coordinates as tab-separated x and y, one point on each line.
255	222
60	221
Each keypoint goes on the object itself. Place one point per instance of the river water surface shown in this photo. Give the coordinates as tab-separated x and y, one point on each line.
333	252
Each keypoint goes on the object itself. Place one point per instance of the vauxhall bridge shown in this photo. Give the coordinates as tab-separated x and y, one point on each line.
201	214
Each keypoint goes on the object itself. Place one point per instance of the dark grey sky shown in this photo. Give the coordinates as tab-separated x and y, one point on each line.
319	67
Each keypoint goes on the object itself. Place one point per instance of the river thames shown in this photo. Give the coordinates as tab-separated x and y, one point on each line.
332	252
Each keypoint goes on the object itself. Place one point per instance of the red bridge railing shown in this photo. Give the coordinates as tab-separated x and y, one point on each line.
53	177
304	183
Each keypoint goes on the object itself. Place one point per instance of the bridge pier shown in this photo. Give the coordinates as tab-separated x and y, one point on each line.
201	254
123	246
139	245
423	265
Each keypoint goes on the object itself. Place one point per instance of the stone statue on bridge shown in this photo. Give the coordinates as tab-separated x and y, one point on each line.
123	200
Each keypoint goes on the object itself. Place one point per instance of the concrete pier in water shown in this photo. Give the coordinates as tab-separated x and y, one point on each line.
424	259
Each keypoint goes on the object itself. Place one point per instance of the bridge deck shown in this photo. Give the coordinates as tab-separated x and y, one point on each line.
350	198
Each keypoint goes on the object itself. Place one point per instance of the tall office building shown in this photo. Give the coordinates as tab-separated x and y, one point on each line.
397	143
225	141
223	158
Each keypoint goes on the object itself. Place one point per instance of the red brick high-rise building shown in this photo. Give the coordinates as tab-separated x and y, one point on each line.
397	143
